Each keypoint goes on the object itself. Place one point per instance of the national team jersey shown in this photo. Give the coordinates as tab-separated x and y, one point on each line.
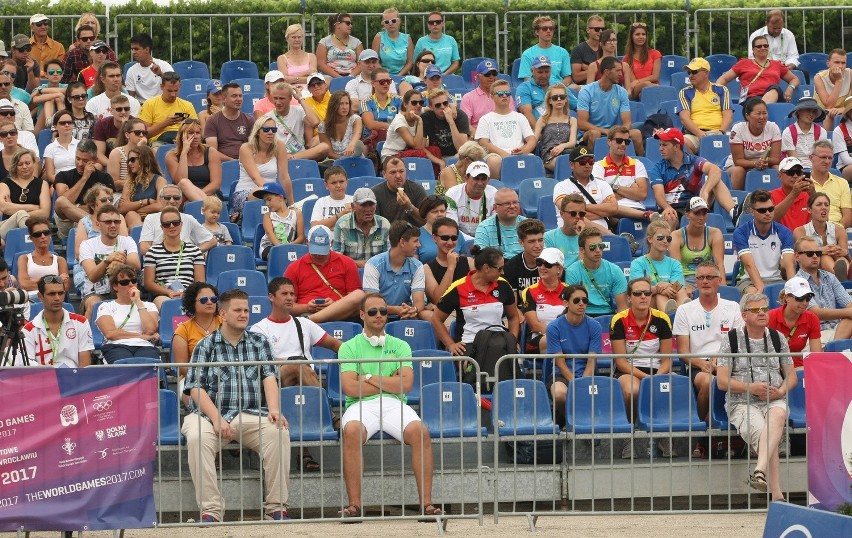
476	310
75	335
680	184
547	304
767	251
705	108
639	340
623	174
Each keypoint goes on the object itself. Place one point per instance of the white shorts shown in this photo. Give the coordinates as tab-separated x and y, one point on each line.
750	419
384	413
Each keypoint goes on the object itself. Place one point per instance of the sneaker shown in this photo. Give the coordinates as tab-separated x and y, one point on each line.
634	246
699	451
627	450
671	307
841	270
208	518
650	450
782	448
735	214
665	448
278	515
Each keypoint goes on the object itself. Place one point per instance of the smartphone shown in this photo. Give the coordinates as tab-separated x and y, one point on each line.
183	115
319	301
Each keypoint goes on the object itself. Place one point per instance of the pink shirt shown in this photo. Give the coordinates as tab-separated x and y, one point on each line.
477	103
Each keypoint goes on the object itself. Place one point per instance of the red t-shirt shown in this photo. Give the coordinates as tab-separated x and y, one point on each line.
798	214
747	69
88	76
642	70
340	271
807	328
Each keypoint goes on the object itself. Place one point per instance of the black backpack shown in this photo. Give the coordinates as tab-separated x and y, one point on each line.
488	346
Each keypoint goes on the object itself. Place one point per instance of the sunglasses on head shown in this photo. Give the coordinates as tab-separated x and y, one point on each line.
805	298
212	299
4	134
126	281
597	246
448	237
373	311
810	253
54	71
387	22
578	300
558	97
641	293
269	129
503	93
757	309
764	210
667	238
42	233
625	141
170	223
541	263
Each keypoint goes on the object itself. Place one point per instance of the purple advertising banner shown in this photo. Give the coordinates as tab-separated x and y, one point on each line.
77	448
829	414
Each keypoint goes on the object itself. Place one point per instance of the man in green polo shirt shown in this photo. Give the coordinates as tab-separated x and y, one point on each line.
375	401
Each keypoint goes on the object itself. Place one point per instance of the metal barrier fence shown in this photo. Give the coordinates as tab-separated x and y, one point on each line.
477	32
668	30
726	31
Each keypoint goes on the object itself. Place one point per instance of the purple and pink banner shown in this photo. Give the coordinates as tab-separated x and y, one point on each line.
77	448
829	417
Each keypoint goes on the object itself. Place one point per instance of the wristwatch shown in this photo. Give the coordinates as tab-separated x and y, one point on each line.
616	186
368	377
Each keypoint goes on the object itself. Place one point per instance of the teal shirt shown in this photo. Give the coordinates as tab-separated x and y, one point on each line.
445	49
566	243
360	348
393	54
665	270
603	284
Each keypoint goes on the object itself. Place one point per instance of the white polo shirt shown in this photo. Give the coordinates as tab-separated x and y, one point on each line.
74	336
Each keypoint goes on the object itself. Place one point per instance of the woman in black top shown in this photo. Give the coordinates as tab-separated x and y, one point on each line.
195	167
22	193
449	265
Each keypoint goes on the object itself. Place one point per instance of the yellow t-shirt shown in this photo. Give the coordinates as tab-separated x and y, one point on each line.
320	108
837	190
155	110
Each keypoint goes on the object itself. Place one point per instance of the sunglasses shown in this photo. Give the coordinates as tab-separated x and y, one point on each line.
810	253
65	122
6	85
269	129
171	223
25	49
625	141
796	172
597	246
126	281
42	233
436	21
104	200
760	47
383	81
691	72
597	28
4	134
212	299
440	105
52	279
503	93
575	214
667	238
168	197
448	237
806	298
425	61
347	23
415	103
578	300
757	309
54	71
132	160
642	293
42	23
79	97
639	25
542	263
764	210
316	83
585	162
137	132
500	269
388	22
110	222
23	197
546	28
10	74
87	39
373	311
558	97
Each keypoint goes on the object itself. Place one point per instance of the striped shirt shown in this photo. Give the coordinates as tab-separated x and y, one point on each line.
179	264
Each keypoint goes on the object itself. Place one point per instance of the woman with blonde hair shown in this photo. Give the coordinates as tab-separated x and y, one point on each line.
556	130
262	159
454	174
664	272
140	196
395	48
296	64
195	167
132	133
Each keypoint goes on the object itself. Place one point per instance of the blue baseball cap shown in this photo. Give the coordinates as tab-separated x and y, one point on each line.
214	86
541	61
486	66
432	71
272	187
319	240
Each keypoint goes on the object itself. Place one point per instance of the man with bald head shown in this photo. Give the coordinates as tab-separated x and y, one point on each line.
501	229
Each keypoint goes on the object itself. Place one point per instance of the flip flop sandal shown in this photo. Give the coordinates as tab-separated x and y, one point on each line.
432	510
310	465
353	510
757	481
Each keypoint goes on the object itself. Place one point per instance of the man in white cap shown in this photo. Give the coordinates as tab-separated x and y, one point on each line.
27	77
361	234
296	124
229	129
13	109
265	106
705	105
319	96
473	201
44	47
360	88
326	282
791	198
831	302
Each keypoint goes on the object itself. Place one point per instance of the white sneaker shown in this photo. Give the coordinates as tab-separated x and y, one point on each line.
665	448
627	450
782	448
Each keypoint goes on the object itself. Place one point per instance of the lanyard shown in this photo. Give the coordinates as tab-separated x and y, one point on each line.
54	340
642	336
126	318
619	171
180	257
654	273
595	284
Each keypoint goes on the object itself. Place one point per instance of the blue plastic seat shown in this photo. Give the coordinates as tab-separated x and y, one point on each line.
772	291
281	256
450	410
652	96
417	168
303	168
844	344
355	183
227	258
238	69
670	65
250	85
253	211
762	179
251	282
531	190
332	385
190	86
169	310
667	403
453	82
45	137
778	112
191	69
339	83
679	81
730	293
230	177
522	408
595	405
169	433
468	67
161	160
516	168
802	91
249	100
37	308
234	230
198	100
813	62
616	249
259	308
562	167
632	226
638	115
304	187
718	414
796	402
546	212
341	330
715	148
714	220
719	63
308	414
356	166
428	372
672	109
428	185
418	333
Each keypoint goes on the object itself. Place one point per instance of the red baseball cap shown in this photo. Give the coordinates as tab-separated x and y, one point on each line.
671	135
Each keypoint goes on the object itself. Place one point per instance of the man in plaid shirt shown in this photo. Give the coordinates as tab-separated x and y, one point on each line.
361	234
235	404
79	58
